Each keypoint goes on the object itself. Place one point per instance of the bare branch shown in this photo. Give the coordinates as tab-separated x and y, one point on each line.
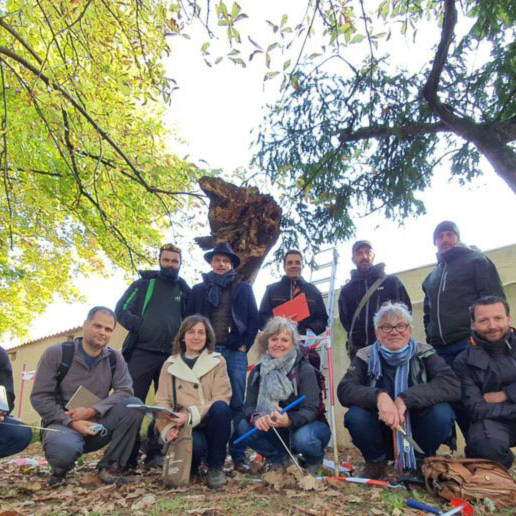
410	129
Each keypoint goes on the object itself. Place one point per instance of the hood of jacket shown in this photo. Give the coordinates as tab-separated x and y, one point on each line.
374	272
454	253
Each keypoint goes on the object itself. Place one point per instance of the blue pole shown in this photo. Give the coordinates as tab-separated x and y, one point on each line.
282	411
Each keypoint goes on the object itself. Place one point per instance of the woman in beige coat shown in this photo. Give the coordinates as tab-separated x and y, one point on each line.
194	382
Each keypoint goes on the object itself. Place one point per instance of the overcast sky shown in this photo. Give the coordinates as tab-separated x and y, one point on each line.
214	111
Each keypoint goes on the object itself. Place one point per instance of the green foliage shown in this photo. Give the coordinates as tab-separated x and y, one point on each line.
359	137
83	161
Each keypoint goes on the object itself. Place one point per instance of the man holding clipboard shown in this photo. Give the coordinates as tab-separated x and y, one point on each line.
294	298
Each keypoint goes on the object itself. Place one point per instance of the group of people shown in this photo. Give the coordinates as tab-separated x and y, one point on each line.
193	343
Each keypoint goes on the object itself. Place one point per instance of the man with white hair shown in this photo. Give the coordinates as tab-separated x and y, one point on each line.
397	383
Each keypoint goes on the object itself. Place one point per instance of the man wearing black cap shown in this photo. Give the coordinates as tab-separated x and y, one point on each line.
152	309
462	275
366	291
290	286
231	308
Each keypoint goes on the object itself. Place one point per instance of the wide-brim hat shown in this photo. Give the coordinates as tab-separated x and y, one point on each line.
223	248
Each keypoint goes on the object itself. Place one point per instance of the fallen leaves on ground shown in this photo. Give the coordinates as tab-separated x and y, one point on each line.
24	492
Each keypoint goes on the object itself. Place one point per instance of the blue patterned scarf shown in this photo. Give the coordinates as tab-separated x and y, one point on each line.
400	360
215	283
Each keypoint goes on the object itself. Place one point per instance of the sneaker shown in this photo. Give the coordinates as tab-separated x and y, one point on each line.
56	480
216	478
374	470
111	477
156	461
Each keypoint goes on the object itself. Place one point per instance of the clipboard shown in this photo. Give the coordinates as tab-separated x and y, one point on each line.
295	309
82	397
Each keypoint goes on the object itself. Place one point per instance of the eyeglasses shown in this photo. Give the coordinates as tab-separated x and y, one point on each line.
400	327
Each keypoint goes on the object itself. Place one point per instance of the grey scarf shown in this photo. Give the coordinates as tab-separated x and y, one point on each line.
274	383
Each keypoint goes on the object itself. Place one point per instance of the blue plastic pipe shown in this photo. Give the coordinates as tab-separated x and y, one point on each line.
282	411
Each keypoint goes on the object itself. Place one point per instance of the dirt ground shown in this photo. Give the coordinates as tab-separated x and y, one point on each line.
24	491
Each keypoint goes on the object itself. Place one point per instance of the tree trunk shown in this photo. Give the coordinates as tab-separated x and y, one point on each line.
243	217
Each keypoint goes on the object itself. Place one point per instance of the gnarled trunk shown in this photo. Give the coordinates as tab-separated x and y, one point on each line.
243	217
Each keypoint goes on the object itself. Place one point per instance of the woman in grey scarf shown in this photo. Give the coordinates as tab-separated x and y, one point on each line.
282	376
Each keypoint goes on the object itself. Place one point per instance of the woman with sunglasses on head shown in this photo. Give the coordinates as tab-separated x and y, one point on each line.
397	383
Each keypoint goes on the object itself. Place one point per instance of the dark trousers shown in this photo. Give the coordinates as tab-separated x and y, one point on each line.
144	368
431	427
63	448
211	437
13	439
236	363
309	440
449	353
492	439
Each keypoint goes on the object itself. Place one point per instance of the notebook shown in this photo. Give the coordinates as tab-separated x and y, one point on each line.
4	403
82	397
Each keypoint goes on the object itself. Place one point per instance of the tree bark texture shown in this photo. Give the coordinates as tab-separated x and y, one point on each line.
243	217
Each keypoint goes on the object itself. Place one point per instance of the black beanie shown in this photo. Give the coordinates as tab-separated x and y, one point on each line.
446	225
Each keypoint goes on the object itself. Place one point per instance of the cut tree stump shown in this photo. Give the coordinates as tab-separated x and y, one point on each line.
243	217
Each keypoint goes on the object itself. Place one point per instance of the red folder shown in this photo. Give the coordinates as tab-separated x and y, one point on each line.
295	309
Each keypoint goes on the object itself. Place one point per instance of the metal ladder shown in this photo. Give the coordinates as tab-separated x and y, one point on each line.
327	356
329	294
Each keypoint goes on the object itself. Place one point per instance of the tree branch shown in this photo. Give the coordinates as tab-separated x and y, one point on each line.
410	129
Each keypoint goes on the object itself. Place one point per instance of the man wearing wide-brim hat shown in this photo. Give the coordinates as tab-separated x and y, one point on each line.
230	306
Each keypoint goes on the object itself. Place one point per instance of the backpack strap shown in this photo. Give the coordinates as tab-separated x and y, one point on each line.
174	395
67	353
363	301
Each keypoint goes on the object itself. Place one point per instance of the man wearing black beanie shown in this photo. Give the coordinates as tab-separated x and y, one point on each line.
461	276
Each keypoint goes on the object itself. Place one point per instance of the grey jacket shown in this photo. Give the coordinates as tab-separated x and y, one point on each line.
98	380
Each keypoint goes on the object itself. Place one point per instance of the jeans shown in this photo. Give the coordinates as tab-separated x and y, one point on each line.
63	448
449	353
310	440
211	436
13	439
431	427
236	363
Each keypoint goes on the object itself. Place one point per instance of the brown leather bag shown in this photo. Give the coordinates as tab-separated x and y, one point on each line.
469	479
177	461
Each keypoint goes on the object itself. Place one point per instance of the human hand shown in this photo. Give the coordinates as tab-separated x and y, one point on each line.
181	419
81	413
264	423
172	434
280	420
83	427
387	410
495	397
402	408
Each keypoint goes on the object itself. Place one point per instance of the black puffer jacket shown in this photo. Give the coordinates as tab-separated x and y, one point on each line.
461	276
431	381
307	385
280	292
351	294
488	367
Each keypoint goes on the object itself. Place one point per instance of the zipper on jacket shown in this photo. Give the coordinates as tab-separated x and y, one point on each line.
442	285
366	314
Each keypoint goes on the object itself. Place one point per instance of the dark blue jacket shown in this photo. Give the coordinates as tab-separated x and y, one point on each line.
6	377
280	292
244	312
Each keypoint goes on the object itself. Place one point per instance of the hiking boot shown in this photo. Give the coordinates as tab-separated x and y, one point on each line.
313	469
56	480
216	478
111	477
374	470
